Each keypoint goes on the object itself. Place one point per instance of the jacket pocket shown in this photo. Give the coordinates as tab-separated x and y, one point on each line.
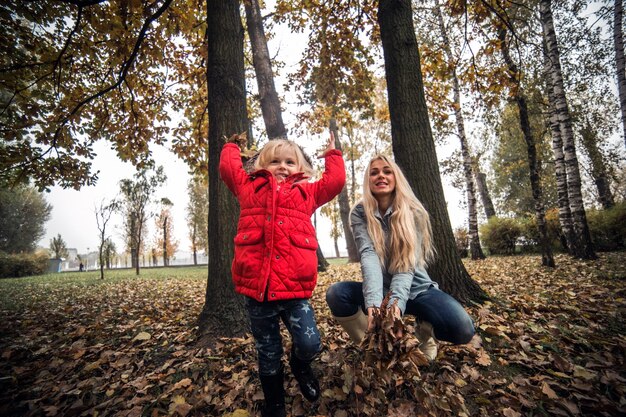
304	259
249	237
303	241
248	258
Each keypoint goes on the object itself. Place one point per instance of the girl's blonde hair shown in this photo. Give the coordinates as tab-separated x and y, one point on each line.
277	146
410	237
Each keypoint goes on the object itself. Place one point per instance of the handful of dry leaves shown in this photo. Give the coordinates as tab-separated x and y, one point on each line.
389	354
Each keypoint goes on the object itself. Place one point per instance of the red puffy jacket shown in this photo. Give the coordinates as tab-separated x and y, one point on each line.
275	245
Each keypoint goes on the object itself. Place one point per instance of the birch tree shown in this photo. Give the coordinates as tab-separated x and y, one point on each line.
620	61
582	246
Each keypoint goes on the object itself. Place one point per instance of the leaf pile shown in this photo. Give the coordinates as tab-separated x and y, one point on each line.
550	342
389	355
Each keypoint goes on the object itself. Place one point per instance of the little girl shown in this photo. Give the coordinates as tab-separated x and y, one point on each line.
275	262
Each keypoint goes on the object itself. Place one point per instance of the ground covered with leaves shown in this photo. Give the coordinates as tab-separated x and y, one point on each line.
549	342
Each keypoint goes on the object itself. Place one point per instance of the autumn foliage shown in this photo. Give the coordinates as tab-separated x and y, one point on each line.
550	342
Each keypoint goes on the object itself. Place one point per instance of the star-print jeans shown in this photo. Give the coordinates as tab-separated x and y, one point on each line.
299	319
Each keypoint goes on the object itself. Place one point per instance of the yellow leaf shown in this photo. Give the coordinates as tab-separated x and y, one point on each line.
545	388
142	336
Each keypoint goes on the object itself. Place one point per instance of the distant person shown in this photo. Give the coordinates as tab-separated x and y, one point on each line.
81	267
275	262
393	235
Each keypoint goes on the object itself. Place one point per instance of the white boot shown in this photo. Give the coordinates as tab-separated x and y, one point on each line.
428	344
355	325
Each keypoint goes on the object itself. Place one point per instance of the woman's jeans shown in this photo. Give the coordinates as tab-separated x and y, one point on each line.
299	319
449	319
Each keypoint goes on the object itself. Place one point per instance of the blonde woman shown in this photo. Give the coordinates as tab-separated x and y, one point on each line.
393	235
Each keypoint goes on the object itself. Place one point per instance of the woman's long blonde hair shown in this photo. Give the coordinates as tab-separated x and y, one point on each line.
276	146
410	236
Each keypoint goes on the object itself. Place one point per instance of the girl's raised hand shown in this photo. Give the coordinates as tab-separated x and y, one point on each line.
330	145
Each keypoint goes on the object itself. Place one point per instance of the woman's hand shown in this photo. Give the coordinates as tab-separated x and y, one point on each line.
330	145
397	315
370	318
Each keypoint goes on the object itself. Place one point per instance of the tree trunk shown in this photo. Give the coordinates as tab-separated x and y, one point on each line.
223	313
165	261
337	254
476	251
565	214
270	104
598	167
620	62
344	205
413	145
485	197
534	164
582	246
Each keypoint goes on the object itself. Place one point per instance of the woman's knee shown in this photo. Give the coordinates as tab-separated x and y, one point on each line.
333	297
464	332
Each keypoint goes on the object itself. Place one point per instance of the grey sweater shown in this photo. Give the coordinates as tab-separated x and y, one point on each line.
376	280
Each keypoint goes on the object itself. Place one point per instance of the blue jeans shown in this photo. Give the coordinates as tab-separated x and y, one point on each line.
449	319
299	319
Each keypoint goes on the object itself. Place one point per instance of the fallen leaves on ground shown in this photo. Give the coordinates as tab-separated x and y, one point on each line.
549	342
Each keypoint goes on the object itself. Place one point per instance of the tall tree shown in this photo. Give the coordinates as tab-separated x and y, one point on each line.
197	215
23	214
483	191
476	251
412	141
268	97
223	312
136	197
582	247
620	61
165	241
534	164
58	247
344	204
599	169
103	213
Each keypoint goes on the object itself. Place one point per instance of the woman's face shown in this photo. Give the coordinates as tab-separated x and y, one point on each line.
382	180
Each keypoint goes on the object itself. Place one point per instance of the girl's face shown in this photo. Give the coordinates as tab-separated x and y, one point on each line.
382	180
283	164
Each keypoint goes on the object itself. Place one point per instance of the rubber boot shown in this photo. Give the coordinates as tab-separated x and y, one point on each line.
426	337
274	395
309	386
355	325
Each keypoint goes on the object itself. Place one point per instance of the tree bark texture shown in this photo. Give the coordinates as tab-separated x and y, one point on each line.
534	164
565	213
485	197
270	104
582	246
476	251
620	61
223	313
344	205
599	171
413	145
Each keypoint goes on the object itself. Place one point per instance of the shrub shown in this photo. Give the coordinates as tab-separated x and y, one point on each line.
530	232
608	227
23	264
500	234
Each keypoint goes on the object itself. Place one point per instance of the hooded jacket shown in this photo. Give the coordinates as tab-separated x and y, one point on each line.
275	245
